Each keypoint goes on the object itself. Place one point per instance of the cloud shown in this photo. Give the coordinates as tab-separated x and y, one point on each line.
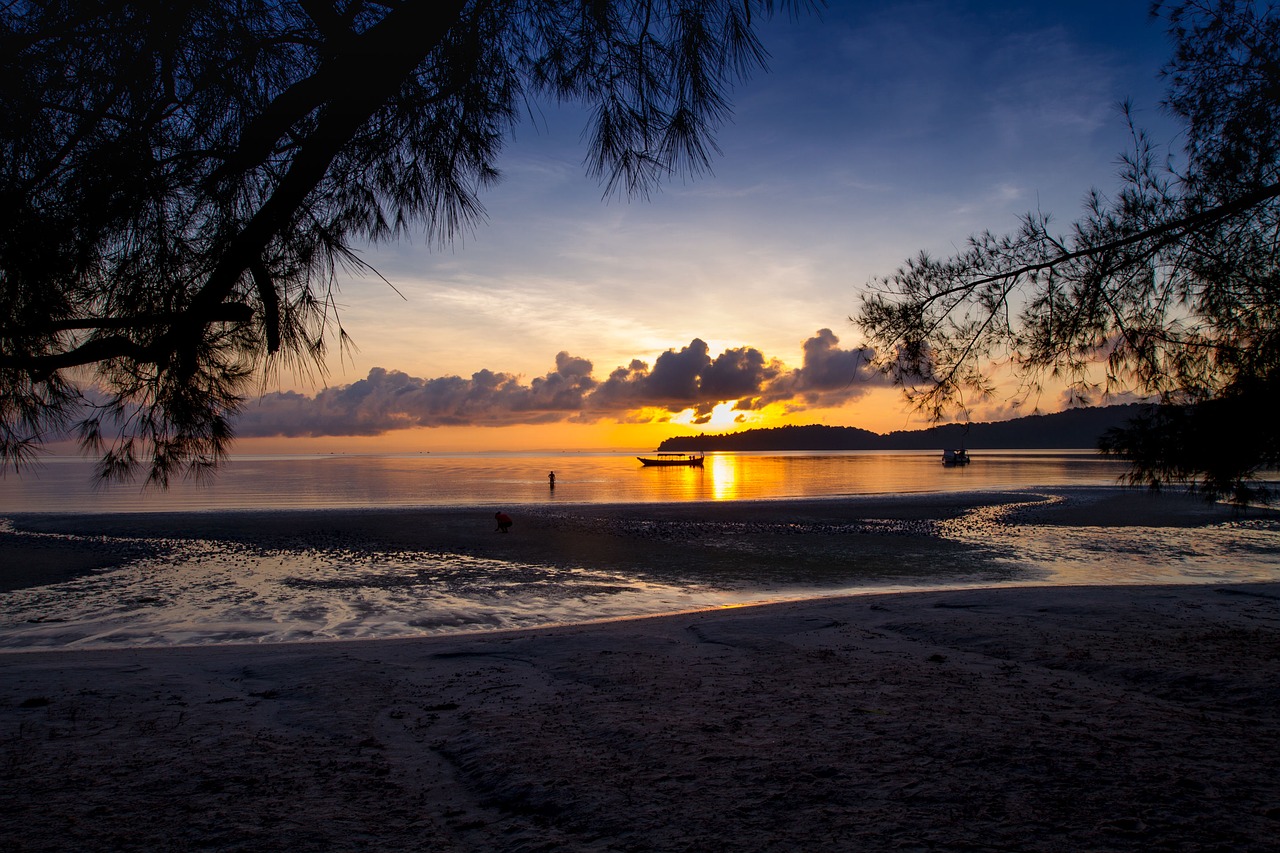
688	378
828	377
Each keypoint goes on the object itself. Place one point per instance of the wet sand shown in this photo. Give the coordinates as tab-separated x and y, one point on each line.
1060	718
806	540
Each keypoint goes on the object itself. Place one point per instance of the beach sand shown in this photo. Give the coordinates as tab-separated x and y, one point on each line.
1035	718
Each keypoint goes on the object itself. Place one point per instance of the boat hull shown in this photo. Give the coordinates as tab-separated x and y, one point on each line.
671	463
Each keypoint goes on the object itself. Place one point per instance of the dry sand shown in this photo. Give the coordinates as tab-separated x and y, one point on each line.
1131	718
1088	718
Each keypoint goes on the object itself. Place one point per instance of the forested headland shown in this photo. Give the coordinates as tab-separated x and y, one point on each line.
1072	429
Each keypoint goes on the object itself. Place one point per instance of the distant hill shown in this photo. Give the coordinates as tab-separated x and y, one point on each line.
1070	430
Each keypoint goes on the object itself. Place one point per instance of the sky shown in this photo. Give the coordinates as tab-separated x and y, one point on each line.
571	321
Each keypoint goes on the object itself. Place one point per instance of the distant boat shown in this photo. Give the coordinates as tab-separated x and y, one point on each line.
689	460
951	458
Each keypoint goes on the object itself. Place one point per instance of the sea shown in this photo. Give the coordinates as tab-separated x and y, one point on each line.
67	484
205	591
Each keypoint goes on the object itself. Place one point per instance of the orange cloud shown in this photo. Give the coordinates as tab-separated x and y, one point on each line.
679	380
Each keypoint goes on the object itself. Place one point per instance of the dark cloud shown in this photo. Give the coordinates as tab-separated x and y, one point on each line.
689	378
674	383
739	373
829	376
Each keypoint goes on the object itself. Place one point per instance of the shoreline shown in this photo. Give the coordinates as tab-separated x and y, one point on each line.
1032	718
249	577
24	534
67	545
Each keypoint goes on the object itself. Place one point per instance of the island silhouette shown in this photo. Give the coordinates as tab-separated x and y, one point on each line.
1073	429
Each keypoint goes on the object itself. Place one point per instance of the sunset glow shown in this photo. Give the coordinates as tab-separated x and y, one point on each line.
568	321
723	417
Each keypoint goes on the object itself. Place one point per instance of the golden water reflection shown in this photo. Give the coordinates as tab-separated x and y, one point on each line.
748	476
724	477
515	479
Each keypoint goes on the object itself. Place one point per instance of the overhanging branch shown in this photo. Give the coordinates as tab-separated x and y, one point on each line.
227	312
116	346
1205	217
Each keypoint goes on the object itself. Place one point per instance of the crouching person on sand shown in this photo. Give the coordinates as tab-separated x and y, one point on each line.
504	522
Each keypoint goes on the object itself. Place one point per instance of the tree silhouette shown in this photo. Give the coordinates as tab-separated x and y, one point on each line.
182	182
1171	288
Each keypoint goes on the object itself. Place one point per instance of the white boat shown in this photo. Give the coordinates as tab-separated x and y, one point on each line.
691	460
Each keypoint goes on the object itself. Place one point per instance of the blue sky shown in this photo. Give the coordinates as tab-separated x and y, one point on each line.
880	129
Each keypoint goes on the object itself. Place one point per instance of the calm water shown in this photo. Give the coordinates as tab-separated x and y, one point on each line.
201	591
305	482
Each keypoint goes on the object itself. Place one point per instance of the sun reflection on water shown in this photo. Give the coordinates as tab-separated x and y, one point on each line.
65	485
724	477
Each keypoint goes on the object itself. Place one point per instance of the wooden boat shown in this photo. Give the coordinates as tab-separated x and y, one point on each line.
955	457
691	460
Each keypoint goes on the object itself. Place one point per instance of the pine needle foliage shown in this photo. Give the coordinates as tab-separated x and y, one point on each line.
184	182
1169	287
